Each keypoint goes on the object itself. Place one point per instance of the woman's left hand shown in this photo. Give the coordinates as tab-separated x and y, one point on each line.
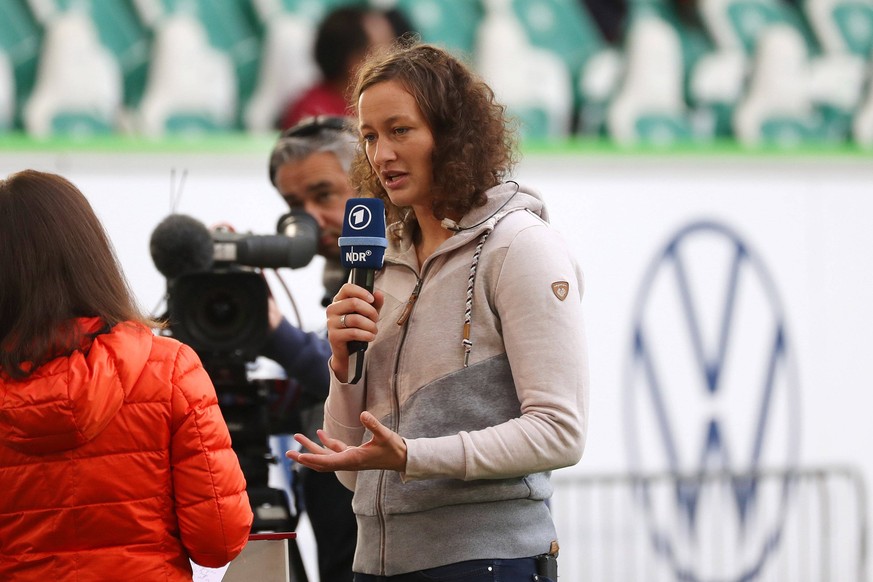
386	450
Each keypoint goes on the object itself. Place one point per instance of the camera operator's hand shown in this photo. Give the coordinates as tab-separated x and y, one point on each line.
351	317
386	450
274	314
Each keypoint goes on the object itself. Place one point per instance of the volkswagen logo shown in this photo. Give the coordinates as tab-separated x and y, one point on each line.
711	388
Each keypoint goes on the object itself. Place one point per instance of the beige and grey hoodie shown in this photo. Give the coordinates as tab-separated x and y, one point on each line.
486	415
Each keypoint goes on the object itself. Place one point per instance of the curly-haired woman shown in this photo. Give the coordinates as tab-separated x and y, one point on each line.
476	381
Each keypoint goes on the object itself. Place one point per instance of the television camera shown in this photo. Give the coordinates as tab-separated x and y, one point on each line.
217	303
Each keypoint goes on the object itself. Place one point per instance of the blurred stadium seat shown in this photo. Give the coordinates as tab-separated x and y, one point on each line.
287	66
567	30
310	10
221	34
778	108
719	79
536	87
123	33
119	34
79	88
842	25
20	39
205	66
191	87
451	24
862	126
7	93
649	107
737	24
232	27
843	30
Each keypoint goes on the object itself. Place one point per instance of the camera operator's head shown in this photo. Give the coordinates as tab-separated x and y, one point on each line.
309	166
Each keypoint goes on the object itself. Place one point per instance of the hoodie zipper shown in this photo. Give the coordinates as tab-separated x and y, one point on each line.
395	407
401	321
410	303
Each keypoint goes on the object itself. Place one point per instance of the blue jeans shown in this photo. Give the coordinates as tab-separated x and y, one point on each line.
514	570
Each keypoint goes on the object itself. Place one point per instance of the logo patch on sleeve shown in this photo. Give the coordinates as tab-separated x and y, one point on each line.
561	289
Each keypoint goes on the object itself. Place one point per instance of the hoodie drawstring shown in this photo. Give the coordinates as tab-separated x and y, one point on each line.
468	308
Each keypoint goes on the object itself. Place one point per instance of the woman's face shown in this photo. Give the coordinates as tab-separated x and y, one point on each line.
398	142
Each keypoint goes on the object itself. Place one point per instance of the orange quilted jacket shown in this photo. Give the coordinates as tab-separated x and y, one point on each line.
115	464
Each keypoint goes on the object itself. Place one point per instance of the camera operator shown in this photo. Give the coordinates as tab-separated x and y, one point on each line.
309	167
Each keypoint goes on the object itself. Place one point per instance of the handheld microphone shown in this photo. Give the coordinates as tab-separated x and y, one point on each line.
362	250
180	245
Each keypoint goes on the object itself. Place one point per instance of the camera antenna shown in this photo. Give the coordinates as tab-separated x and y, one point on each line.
176	193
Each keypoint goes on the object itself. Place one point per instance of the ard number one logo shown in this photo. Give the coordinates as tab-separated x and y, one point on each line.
360	217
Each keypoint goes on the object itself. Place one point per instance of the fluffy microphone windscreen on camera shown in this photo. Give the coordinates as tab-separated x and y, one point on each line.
363	242
180	245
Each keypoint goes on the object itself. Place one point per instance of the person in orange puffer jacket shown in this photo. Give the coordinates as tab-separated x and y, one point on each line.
115	460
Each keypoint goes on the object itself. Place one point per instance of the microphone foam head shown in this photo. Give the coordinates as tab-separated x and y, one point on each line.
363	242
180	245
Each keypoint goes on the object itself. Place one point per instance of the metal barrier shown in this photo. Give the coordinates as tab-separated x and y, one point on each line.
794	525
266	558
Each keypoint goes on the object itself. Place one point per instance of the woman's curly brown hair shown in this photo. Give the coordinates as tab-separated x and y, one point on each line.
475	147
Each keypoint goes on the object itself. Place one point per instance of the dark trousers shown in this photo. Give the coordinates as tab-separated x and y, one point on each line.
329	506
514	570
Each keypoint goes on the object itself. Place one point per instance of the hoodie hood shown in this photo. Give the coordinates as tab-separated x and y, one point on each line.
476	226
501	200
68	401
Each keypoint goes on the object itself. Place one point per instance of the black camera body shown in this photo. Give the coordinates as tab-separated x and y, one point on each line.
221	313
217	298
217	303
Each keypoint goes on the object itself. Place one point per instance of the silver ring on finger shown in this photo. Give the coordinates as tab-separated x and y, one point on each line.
343	320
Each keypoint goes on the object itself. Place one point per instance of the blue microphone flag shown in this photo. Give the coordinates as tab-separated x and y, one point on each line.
363	239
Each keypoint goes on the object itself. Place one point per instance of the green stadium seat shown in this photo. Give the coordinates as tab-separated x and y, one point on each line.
78	89
843	30
313	11
855	22
533	82
80	124
192	86
718	79
20	40
692	45
7	94
649	107
231	27
451	24
122	32
790	131
565	28
287	67
778	108
862	123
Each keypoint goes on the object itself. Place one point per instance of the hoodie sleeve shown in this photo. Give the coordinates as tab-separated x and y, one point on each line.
538	299
212	506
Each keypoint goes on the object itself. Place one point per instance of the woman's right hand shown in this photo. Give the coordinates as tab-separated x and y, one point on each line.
351	317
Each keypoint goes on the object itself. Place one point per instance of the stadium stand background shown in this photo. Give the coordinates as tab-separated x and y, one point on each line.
637	141
632	72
